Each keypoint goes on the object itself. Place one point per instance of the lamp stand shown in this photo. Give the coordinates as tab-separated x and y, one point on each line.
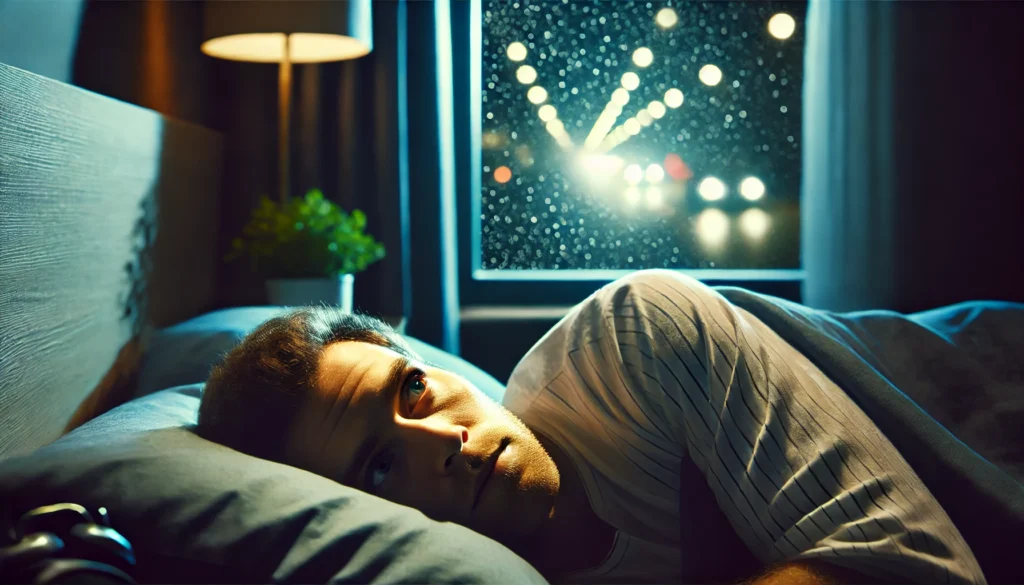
284	81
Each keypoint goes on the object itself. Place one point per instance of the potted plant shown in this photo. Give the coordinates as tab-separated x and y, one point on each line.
309	249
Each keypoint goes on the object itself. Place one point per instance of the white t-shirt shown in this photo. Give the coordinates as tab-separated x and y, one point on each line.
656	367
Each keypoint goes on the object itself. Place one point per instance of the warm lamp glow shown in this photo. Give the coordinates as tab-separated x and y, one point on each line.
269	47
286	32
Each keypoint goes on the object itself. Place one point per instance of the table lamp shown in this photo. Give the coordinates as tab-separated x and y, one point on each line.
286	32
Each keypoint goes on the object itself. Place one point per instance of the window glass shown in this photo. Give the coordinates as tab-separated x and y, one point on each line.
625	135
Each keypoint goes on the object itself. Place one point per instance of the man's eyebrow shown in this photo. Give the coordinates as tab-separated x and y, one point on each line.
392	385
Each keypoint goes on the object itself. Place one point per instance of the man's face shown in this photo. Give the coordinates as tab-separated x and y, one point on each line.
423	437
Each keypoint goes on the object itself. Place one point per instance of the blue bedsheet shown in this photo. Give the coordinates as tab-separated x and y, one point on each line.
947	388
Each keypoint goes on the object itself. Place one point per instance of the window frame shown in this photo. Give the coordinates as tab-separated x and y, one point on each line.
530	288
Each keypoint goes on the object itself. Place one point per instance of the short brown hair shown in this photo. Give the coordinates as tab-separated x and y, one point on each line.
253	394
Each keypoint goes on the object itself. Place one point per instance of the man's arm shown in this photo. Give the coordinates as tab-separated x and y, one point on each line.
799	471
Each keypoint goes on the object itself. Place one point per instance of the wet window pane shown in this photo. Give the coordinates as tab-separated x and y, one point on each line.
641	134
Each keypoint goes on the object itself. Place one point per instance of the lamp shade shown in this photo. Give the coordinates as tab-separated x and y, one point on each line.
319	30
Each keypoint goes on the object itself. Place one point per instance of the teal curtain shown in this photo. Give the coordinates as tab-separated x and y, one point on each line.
848	195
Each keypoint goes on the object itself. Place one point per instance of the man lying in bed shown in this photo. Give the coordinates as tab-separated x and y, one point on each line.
579	470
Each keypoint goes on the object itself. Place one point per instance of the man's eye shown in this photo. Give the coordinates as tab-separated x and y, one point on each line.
379	471
415	388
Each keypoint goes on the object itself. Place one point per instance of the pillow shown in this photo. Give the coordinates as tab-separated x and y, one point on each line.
185	353
198	512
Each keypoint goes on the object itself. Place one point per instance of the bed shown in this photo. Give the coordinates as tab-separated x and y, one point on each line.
108	269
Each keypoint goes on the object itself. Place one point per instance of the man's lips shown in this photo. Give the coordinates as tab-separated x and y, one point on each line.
485	474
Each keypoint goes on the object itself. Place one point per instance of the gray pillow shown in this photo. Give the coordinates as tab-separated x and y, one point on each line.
198	512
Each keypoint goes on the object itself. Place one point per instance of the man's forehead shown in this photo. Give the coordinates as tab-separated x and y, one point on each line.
348	365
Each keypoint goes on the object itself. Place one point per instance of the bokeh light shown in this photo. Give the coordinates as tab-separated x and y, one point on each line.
654	197
632	126
712	226
493	140
643	57
633	174
603	165
631	195
754	223
537	95
524	155
711	189
620	97
503	174
516	51
673	98
656	109
526	74
630	80
655	174
710	75
781	26
547	113
676	168
666	18
645	118
752	189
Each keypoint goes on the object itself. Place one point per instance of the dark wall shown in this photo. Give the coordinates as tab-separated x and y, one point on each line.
959	139
146	52
40	35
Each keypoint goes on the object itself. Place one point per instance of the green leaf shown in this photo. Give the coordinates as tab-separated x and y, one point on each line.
306	237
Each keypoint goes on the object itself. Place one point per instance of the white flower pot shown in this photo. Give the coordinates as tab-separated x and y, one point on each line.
294	292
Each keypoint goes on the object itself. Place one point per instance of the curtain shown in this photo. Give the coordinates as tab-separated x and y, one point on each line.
847	207
433	240
912	138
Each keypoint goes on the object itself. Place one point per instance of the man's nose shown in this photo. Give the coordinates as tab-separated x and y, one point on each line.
441	444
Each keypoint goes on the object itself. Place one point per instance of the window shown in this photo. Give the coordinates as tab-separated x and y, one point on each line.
624	135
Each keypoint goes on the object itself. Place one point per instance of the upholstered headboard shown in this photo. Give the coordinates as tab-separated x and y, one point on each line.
108	228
